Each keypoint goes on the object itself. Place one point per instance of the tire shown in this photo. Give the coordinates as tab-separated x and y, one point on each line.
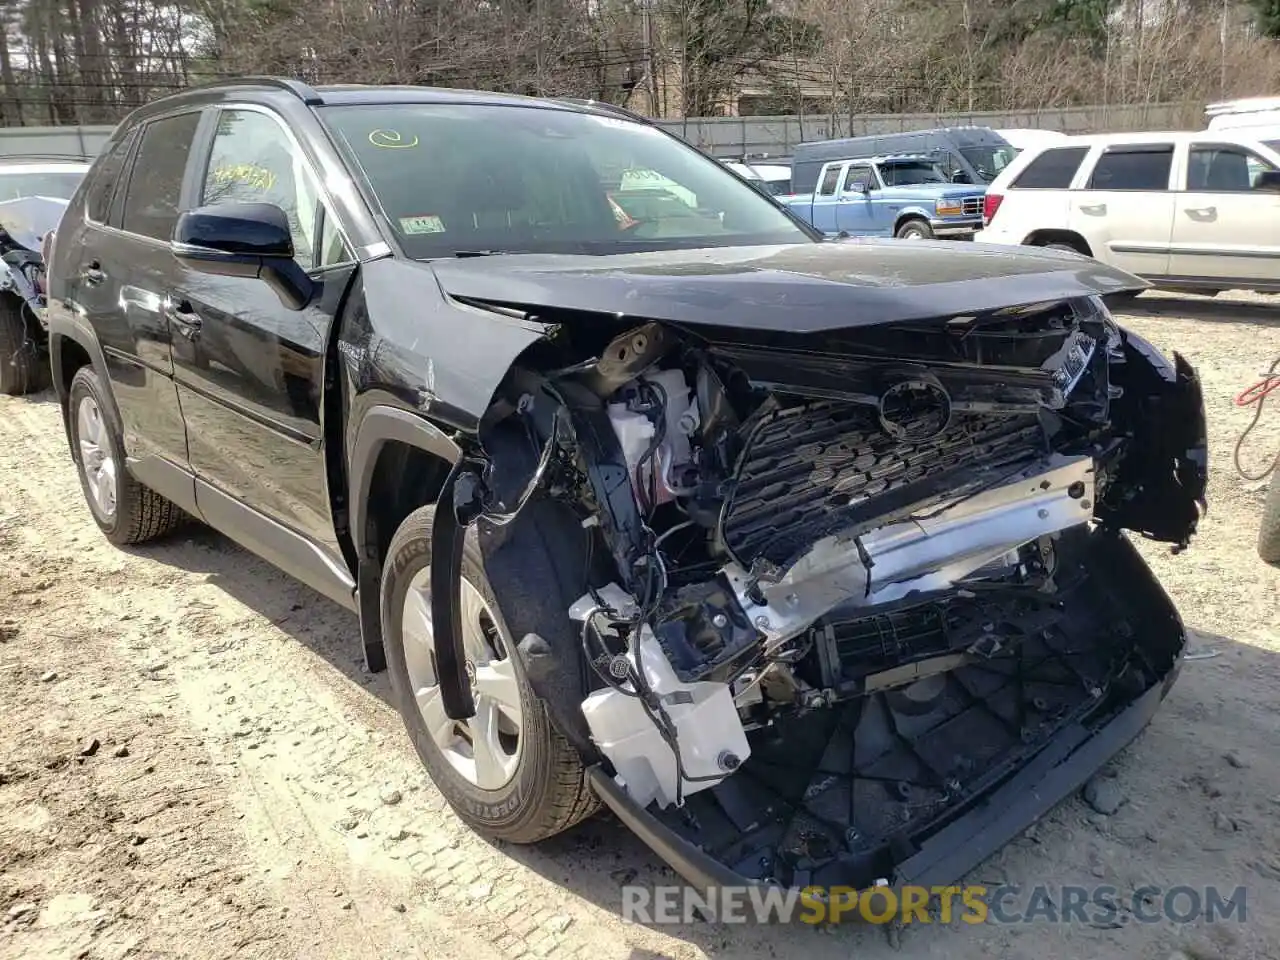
24	368
133	513
914	229
1269	532
546	791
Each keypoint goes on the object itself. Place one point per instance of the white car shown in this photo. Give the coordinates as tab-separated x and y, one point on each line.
1192	211
773	178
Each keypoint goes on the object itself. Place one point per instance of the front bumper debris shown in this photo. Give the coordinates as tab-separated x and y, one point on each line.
753	831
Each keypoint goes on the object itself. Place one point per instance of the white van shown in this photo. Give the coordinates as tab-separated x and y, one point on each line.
1024	138
1256	117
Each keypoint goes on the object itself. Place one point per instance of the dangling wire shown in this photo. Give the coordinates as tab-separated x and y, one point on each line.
1256	396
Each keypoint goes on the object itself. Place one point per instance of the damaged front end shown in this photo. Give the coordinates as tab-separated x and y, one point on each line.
857	600
26	228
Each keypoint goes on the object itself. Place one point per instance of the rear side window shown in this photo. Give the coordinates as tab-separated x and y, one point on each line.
104	177
1052	170
155	186
1133	168
829	181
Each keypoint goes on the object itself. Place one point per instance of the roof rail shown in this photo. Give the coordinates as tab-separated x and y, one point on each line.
44	157
303	91
607	107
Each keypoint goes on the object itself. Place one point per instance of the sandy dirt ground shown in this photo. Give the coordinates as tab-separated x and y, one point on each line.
193	764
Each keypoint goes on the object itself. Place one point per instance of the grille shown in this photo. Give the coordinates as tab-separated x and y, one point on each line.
821	467
972	206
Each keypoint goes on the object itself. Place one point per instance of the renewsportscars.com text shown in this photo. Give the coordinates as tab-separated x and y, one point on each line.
974	904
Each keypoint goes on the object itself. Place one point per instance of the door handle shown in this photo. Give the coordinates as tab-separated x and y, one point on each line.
1093	209
93	274
1201	214
185	319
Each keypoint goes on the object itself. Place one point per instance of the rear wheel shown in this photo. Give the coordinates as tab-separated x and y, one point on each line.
23	366
125	510
507	771
1269	533
915	230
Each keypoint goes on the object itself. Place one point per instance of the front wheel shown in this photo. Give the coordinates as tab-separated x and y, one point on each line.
1269	532
915	230
507	771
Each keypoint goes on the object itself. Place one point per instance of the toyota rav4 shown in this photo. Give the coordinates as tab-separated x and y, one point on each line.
809	559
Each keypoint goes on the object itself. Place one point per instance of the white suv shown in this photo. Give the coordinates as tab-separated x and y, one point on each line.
1192	211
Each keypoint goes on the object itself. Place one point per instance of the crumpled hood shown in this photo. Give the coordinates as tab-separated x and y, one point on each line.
799	288
28	219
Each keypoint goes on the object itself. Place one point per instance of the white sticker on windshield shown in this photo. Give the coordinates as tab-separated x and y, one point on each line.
428	223
617	124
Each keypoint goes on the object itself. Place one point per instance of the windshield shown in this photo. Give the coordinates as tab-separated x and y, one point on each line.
459	178
989	160
60	184
900	173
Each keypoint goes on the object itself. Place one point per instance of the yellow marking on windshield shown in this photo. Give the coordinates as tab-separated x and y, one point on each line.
391	140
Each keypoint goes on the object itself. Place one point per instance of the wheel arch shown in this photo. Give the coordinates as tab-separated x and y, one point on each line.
398	463
71	348
907	215
1041	238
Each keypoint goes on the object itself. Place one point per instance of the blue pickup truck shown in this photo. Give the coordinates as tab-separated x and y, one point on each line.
907	196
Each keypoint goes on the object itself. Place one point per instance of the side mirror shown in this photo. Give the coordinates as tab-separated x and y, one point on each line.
243	240
959	176
1268	181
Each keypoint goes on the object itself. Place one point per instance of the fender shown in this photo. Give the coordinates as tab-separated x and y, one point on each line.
380	425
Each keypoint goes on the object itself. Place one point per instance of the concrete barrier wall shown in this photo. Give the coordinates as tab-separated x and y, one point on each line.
57	141
735	136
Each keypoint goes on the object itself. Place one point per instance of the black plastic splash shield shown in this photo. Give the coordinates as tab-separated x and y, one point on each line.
971	829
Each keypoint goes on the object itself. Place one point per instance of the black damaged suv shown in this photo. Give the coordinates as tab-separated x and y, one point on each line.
807	558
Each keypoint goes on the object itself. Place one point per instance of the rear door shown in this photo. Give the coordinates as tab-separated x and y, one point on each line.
119	268
251	372
1125	208
1227	219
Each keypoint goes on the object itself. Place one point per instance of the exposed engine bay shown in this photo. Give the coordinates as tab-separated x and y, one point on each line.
840	584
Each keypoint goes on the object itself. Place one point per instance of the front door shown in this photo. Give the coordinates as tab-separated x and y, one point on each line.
250	371
856	213
826	197
1227	222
